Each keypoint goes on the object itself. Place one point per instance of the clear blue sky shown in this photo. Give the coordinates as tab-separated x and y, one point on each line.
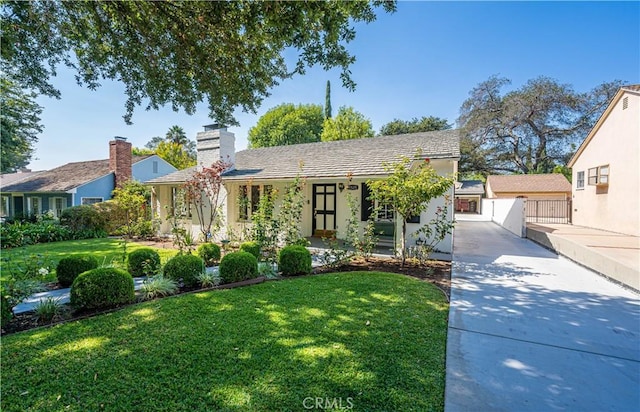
420	61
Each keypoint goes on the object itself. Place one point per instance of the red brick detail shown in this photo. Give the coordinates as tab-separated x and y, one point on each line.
120	160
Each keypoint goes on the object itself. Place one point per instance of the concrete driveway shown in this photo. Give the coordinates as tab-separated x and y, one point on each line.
532	331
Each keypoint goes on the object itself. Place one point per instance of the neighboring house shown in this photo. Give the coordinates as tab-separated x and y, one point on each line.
468	196
606	176
78	183
548	196
542	186
331	170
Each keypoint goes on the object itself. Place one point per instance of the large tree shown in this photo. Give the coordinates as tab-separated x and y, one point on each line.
526	130
20	125
347	124
415	125
287	124
230	53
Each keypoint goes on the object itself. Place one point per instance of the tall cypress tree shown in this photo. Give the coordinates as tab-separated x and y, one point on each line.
327	102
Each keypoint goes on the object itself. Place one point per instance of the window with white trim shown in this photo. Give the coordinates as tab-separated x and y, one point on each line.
599	175
580	180
179	204
34	205
6	205
57	205
91	200
249	199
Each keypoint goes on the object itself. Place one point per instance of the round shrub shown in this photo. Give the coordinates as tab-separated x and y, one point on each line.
142	262
210	253
70	267
251	247
185	267
294	260
238	266
102	288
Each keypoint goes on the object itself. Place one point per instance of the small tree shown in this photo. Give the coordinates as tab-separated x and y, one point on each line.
408	190
204	192
291	212
133	198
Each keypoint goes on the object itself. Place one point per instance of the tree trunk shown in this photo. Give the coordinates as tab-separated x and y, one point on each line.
403	253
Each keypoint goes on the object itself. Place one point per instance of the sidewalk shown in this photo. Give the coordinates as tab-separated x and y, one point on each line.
530	330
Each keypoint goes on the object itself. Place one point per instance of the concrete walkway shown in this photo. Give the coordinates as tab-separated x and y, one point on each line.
532	331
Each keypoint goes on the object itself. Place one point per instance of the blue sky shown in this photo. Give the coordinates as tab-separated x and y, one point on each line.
420	61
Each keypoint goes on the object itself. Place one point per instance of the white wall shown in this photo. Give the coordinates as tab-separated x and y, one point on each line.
508	213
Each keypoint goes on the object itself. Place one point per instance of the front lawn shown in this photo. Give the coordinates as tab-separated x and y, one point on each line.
366	340
107	251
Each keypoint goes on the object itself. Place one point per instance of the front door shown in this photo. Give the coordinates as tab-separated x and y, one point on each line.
324	208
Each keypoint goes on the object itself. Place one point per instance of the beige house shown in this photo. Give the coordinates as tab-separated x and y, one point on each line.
331	171
606	168
535	187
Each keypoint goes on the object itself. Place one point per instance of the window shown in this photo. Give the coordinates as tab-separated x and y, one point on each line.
599	175
580	180
179	204
250	197
34	205
57	205
155	167
91	200
6	208
385	212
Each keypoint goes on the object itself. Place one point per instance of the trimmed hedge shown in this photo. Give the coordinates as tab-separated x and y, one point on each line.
102	288
185	267
143	261
210	253
70	267
238	266
294	260
251	247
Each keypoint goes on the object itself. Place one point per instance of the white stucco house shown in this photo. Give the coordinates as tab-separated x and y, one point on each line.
330	170
605	168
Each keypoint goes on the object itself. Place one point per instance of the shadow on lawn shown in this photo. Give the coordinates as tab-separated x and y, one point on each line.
373	341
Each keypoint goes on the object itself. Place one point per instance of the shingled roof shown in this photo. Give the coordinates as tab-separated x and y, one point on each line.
542	183
361	157
470	187
64	178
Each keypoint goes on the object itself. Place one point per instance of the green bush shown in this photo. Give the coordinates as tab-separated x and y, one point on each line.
5	311
251	247
185	267
210	253
144	261
238	266
70	267
83	218
102	288
294	260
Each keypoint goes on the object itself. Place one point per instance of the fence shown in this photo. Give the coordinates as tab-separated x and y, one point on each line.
548	211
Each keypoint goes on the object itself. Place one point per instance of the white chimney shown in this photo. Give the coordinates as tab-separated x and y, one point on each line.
215	143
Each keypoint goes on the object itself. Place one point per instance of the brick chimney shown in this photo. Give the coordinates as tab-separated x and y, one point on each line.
215	143
120	159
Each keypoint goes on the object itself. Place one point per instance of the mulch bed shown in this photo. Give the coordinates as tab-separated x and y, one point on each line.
435	272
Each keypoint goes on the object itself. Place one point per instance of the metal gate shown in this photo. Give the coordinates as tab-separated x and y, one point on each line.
548	211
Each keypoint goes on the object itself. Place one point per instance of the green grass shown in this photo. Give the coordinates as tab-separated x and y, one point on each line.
105	250
375	341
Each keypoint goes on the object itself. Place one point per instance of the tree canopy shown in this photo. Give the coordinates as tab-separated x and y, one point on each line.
415	125
347	124
20	125
288	124
527	130
180	53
